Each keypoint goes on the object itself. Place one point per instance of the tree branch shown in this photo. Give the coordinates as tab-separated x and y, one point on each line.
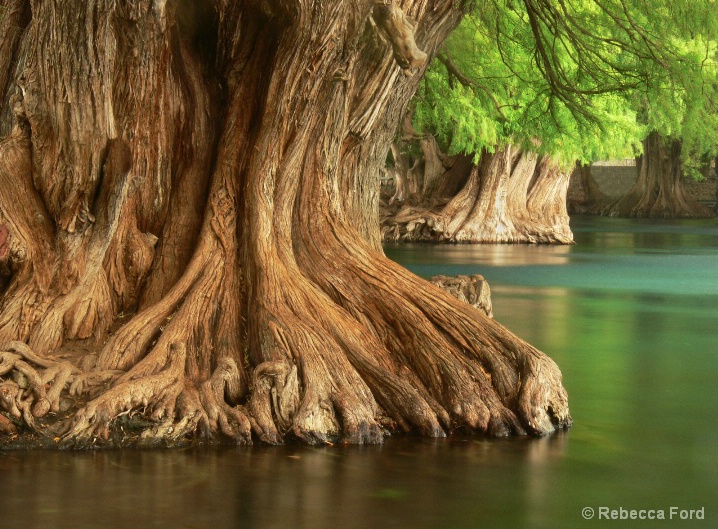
399	29
470	83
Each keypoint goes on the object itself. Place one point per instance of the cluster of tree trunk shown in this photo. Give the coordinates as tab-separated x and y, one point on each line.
510	196
658	192
189	237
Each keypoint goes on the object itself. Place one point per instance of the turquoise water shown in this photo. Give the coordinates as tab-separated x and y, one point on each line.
629	313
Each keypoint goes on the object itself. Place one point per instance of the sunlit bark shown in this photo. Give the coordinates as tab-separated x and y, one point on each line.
189	198
509	197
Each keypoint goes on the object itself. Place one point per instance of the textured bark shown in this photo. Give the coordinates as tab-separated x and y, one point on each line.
510	197
14	17
547	202
187	211
584	195
659	191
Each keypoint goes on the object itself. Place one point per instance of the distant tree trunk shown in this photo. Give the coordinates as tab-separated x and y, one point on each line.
484	209
410	172
433	165
510	197
453	179
584	195
187	213
406	176
659	191
401	174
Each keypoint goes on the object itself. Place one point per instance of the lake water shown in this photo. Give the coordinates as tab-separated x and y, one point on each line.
630	314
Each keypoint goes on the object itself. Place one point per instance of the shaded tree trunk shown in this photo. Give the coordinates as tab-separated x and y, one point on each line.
659	191
584	195
510	197
189	199
14	17
453	179
406	176
434	166
547	202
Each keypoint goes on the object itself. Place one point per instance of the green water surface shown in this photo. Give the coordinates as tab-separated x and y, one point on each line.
630	314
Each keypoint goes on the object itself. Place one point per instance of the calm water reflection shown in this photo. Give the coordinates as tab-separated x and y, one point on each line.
630	316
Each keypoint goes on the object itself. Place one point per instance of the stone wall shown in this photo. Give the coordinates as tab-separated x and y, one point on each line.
704	191
614	180
616	177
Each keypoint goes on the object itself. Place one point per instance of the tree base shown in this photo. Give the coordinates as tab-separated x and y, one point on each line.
659	192
66	401
422	224
510	197
648	207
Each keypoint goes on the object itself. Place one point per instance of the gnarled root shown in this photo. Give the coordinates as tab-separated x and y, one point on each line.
309	388
31	392
348	355
154	394
174	405
419	360
362	373
481	375
275	399
204	410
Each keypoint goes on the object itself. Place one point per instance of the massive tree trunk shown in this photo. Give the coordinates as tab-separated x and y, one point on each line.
659	191
187	203
509	197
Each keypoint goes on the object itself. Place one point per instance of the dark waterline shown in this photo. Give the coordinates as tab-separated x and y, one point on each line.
630	314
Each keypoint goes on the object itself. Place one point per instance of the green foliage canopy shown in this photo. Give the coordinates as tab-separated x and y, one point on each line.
576	79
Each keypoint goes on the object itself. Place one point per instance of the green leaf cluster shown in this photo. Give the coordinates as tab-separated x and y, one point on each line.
576	79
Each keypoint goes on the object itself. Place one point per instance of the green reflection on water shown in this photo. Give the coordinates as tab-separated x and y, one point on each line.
630	316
